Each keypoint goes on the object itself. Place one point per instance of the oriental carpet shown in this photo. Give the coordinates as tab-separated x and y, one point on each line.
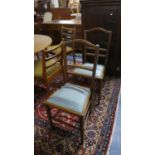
98	126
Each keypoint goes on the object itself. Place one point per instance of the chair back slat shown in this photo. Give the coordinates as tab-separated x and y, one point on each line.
51	58
68	34
83	43
104	44
51	65
81	67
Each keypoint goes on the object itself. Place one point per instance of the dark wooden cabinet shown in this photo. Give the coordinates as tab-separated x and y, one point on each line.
106	14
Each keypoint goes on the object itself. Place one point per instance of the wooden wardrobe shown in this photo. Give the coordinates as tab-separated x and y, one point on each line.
106	14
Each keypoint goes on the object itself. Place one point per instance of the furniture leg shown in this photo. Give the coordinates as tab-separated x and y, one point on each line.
49	115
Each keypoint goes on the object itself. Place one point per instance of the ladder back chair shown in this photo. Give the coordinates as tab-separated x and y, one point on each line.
50	65
104	46
67	33
72	99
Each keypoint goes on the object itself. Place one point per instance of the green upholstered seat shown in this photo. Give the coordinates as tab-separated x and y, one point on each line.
72	97
58	50
99	70
38	71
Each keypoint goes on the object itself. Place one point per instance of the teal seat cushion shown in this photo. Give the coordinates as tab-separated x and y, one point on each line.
99	70
70	97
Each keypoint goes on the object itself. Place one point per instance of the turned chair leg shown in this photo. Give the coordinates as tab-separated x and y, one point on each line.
48	109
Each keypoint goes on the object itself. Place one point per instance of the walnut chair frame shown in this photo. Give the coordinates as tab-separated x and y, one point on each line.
67	33
72	106
51	65
103	52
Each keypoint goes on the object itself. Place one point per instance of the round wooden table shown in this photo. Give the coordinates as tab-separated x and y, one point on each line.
41	42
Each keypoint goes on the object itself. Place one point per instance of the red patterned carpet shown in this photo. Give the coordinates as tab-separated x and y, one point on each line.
98	127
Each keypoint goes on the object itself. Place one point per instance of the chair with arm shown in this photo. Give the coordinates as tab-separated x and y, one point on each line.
47	68
74	100
104	46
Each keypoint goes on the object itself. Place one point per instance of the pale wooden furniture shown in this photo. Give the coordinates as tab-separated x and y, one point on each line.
50	66
71	98
41	42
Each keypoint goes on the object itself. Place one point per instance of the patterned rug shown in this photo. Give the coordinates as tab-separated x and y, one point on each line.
98	127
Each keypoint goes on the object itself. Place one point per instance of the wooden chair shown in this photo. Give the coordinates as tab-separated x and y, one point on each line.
66	34
72	101
104	47
47	68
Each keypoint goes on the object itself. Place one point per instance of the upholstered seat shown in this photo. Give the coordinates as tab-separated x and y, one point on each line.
38	72
65	98
99	70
